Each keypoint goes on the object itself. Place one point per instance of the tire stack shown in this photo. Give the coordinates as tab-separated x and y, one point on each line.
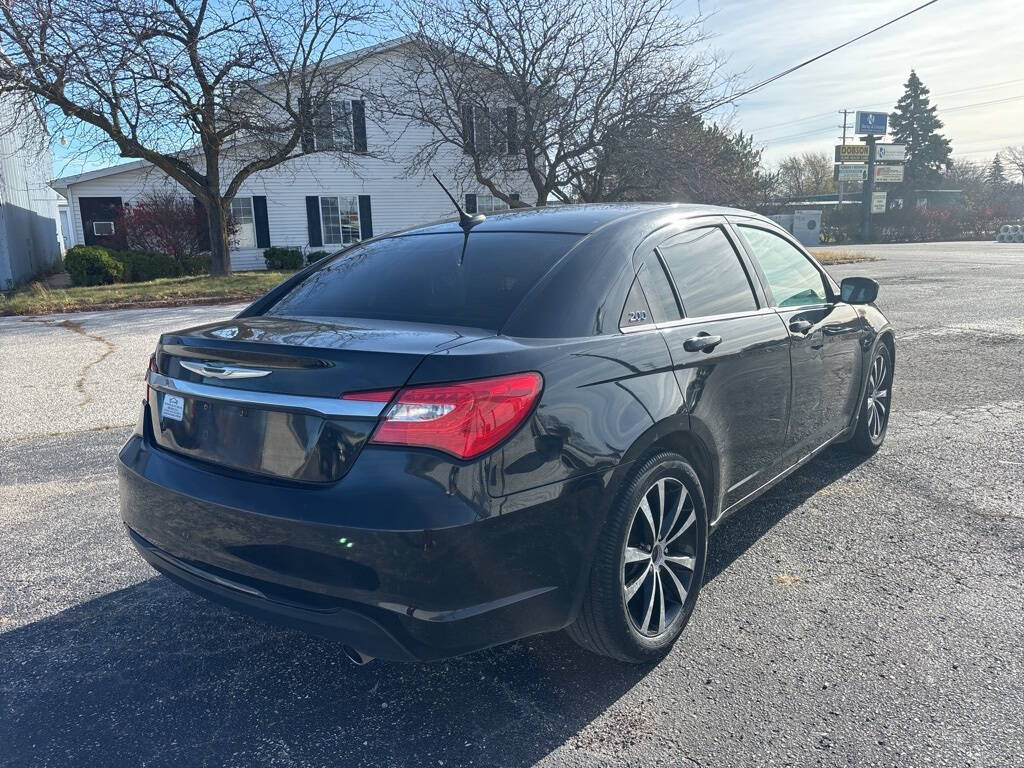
1011	233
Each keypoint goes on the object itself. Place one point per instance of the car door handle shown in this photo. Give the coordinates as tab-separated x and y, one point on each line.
702	342
800	326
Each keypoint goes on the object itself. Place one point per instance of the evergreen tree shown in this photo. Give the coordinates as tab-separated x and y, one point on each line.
915	124
996	175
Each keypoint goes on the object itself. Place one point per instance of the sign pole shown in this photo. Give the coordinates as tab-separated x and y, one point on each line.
869	186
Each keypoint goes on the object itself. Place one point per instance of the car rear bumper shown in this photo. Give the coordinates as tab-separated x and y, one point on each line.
406	558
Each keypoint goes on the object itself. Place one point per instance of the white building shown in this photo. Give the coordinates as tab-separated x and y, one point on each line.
316	201
29	241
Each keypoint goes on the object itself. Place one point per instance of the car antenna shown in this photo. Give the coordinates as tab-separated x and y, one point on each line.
466	221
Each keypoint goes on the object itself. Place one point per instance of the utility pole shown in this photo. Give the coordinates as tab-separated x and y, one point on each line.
841	183
869	187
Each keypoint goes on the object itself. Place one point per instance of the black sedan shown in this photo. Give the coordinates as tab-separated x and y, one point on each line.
479	430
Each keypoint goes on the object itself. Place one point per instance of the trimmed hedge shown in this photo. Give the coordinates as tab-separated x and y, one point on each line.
199	264
277	258
141	267
314	256
91	265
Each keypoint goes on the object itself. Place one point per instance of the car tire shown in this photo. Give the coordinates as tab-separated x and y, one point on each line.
666	548
873	421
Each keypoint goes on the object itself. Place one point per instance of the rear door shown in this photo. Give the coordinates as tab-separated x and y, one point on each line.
729	350
824	332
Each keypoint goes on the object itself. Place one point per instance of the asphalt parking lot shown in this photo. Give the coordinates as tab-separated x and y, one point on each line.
862	613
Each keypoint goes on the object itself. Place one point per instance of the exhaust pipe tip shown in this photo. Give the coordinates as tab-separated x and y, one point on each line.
356	657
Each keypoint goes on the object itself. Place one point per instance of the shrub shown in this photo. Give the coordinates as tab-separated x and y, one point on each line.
91	265
197	264
314	256
141	266
282	258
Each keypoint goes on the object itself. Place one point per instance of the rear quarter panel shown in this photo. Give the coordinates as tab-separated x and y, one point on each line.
600	395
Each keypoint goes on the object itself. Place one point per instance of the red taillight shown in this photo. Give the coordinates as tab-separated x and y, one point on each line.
465	419
374	396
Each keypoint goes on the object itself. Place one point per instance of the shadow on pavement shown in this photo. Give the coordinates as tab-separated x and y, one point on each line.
152	675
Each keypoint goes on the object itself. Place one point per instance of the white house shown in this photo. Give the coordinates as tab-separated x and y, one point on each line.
29	242
316	201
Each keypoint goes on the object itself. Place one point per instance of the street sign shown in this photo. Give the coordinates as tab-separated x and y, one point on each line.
851	172
878	202
851	153
871	123
885	174
890	153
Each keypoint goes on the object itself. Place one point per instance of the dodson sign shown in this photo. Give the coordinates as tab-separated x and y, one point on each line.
851	153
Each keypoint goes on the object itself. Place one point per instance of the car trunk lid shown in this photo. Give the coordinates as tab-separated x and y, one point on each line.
267	395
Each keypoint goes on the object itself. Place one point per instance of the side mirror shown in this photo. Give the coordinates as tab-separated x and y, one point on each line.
858	290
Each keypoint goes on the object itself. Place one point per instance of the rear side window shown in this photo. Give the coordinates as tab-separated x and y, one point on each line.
707	273
427	279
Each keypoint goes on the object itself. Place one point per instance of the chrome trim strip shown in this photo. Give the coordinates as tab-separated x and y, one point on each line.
321	406
222	371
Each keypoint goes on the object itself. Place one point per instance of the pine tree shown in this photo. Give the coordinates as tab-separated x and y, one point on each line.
915	124
996	175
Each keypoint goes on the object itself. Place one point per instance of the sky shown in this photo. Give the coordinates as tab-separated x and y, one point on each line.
965	51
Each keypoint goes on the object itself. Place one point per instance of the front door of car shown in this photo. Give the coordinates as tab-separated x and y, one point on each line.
730	351
824	332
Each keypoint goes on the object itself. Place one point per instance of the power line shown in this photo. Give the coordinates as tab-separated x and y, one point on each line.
813	59
805	118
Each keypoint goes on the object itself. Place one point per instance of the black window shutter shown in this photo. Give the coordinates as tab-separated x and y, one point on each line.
514	196
358	125
470	203
306	121
316	237
365	218
468	137
511	131
259	214
204	224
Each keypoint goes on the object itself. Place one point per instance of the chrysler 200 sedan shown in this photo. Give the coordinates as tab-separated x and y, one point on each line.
460	435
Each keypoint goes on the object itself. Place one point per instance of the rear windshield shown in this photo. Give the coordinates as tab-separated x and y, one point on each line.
426	278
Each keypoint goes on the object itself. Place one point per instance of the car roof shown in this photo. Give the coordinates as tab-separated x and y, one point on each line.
580	219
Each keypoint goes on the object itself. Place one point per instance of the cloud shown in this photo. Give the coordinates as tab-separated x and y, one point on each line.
961	50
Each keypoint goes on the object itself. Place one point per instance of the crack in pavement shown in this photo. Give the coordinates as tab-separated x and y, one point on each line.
77	327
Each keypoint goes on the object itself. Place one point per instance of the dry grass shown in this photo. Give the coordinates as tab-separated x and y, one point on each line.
37	299
839	256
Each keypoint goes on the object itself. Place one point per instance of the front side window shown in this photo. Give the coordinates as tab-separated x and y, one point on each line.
707	273
793	280
339	217
244	221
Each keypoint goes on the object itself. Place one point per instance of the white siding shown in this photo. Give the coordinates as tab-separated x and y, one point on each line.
397	200
28	206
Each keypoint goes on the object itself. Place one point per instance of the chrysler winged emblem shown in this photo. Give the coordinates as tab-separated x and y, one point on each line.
223	371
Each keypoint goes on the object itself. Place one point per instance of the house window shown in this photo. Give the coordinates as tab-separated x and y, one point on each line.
103	228
332	128
488	203
339	218
245	222
490	130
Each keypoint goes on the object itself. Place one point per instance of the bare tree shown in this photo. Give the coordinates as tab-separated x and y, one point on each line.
1013	157
810	173
208	92
539	86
